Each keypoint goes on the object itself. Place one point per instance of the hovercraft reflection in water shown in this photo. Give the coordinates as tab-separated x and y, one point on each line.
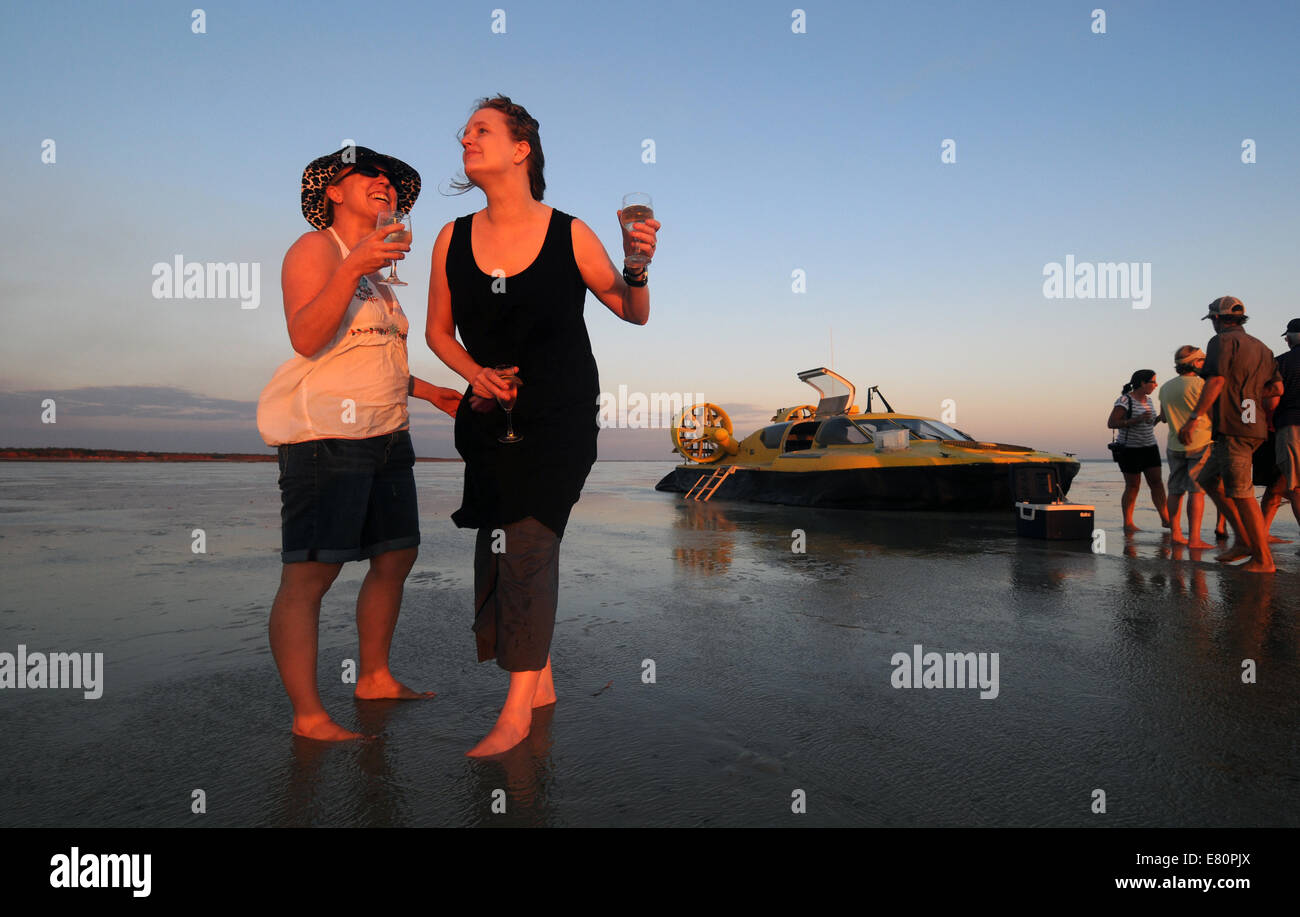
834	455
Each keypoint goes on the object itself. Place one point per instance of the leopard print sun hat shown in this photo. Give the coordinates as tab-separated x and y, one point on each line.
320	172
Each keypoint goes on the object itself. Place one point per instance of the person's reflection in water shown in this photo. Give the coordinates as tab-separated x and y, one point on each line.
1248	602
1131	571
370	802
374	716
1188	580
301	806
511	790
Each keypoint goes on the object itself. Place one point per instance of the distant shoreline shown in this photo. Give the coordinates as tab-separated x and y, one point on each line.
55	454
126	455
52	454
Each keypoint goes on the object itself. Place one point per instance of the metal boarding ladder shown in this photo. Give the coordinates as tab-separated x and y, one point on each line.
706	487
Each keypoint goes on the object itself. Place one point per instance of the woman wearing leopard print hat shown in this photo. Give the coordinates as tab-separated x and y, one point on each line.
337	414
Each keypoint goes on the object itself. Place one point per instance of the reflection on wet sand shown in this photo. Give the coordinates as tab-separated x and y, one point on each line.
710	537
1251	626
1123	672
358	783
511	790
373	801
708	555
1188	580
1050	565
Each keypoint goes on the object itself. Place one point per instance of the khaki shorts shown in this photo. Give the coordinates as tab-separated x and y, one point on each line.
1231	460
1288	457
1183	469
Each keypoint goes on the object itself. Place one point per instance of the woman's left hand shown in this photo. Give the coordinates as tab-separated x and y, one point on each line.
446	400
642	239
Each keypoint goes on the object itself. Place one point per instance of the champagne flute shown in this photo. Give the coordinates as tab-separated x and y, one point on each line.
511	379
637	208
387	218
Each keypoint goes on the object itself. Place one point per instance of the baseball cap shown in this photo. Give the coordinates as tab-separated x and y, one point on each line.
1225	305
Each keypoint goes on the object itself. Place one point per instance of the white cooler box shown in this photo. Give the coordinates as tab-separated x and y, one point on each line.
1057	521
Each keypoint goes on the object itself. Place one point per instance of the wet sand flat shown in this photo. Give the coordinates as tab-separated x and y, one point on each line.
772	669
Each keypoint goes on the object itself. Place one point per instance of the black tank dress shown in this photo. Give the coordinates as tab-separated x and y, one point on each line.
532	320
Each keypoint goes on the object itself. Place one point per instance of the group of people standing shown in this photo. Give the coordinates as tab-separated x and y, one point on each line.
511	280
1234	421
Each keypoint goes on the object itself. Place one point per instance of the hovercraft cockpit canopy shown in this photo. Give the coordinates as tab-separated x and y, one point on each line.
834	392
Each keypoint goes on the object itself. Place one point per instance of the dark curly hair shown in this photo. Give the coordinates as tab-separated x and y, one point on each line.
523	127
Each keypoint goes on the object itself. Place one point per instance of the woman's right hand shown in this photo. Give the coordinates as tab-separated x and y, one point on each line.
487	383
373	252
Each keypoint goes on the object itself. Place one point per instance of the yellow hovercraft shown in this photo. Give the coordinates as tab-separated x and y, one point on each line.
833	455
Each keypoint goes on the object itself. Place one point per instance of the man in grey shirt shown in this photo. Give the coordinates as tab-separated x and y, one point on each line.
1239	375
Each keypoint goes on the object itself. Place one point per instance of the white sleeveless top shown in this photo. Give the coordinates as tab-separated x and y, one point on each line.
354	387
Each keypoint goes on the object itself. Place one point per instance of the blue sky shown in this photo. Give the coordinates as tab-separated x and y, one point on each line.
774	152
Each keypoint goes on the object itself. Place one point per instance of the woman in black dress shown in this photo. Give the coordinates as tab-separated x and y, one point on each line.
512	279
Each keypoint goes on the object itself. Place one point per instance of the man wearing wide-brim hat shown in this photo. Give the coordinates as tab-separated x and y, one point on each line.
1286	420
1239	373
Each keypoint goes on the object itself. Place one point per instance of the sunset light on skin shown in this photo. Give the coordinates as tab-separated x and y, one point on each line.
517	235
546	414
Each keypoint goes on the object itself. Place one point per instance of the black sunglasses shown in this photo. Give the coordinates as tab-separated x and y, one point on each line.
364	169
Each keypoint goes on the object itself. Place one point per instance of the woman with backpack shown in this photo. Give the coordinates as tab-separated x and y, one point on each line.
1135	416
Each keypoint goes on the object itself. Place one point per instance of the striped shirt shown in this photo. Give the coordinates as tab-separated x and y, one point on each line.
1138	435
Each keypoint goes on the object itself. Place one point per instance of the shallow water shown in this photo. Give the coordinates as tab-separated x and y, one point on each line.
773	669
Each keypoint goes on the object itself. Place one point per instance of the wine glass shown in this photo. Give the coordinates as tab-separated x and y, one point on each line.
511	379
637	208
386	218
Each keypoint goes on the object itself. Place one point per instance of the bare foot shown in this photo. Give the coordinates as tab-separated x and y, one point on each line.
1235	551
1201	545
385	687
1177	537
1256	566
324	729
1220	535
505	735
1166	523
1273	539
1130	529
544	693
